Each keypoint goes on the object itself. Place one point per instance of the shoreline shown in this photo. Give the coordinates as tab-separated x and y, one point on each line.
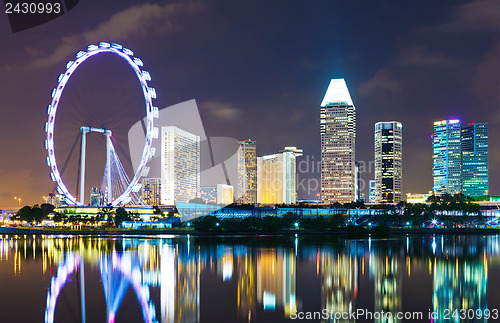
341	233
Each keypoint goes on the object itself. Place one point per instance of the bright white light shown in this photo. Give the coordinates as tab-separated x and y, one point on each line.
118	46
146	75
92	47
128	52
68	64
296	224
138	61
80	54
337	92
152	91
217	224
137	187
269	301
104	44
434	221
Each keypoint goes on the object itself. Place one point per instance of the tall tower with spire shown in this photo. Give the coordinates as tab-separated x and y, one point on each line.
338	138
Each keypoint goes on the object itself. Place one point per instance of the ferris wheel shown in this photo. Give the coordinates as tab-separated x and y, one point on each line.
132	186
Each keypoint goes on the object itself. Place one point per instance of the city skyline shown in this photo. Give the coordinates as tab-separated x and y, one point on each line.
247	84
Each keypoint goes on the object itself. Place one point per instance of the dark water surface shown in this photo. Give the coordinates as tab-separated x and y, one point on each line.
258	279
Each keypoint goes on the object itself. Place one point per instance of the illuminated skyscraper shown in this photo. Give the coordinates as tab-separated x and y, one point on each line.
180	165
247	172
357	182
276	177
388	161
151	191
338	136
475	159
460	158
446	157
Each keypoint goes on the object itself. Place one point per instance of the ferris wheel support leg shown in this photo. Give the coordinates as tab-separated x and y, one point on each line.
108	165
82	170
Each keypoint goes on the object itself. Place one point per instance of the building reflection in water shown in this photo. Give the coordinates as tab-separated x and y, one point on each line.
246	285
459	284
164	274
276	279
387	271
339	282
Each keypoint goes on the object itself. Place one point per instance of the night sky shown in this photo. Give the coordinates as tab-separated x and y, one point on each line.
257	69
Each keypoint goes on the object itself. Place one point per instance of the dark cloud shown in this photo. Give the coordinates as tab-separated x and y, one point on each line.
142	21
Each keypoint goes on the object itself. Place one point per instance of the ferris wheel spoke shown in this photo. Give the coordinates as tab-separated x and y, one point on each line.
77	139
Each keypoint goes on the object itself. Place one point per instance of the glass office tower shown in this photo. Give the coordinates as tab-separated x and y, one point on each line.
475	159
388	161
447	157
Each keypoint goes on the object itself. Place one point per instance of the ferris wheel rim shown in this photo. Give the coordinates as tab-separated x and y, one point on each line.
151	113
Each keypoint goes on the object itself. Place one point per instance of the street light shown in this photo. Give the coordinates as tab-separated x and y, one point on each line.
296	224
18	199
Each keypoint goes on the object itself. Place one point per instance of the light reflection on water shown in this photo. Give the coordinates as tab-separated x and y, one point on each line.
192	279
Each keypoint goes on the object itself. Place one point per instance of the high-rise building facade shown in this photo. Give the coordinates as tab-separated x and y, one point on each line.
388	162
475	159
208	194
447	157
276	177
357	182
338	136
151	191
372	197
180	165
225	194
247	172
96	197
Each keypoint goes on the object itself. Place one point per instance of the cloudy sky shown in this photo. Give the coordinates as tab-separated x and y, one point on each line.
257	69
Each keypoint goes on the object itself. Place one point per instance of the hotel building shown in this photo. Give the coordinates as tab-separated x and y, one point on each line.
338	135
388	162
180	165
276	177
247	172
151	191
